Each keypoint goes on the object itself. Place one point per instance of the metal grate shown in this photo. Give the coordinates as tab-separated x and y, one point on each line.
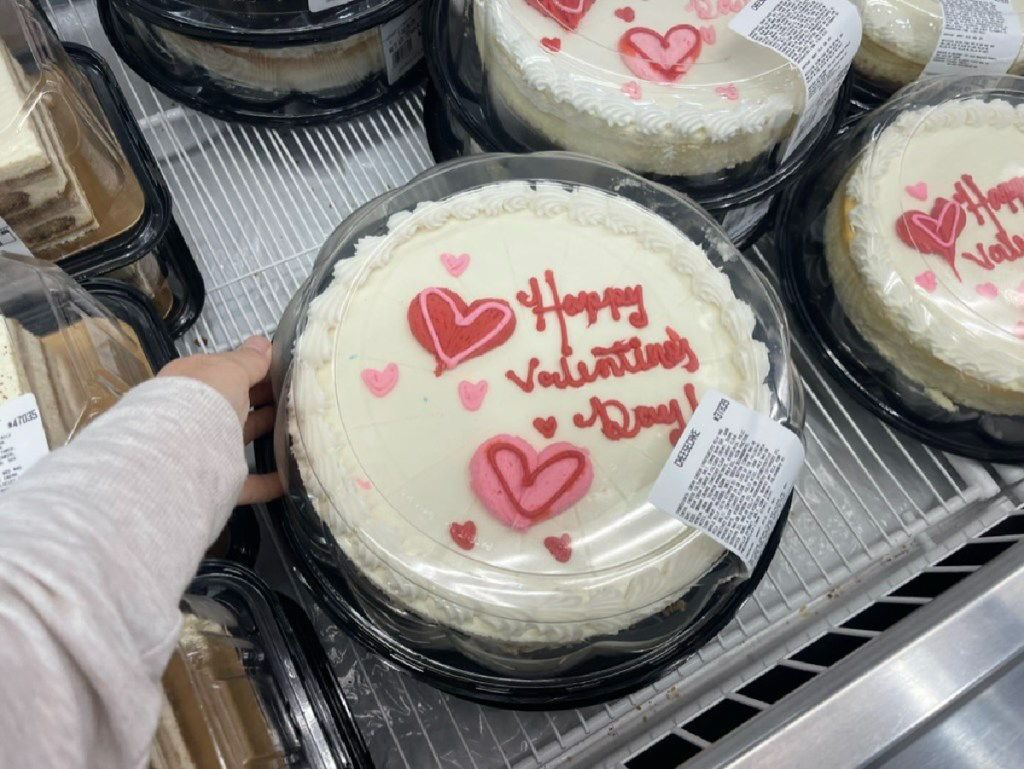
873	509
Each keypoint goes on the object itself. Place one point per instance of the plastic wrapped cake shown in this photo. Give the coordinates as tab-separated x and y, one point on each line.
271	61
901	37
492	366
918	223
66	185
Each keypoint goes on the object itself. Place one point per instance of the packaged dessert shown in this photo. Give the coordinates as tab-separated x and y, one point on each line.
481	381
77	183
137	312
61	349
902	254
170	277
666	89
904	39
271	61
248	684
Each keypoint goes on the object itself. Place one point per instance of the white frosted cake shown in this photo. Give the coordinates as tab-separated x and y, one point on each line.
900	38
483	397
659	86
924	243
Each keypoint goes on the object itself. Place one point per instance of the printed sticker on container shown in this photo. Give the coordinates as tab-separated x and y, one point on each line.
402	39
22	438
730	475
980	37
820	37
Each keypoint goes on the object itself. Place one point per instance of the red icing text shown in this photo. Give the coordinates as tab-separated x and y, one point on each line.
619	422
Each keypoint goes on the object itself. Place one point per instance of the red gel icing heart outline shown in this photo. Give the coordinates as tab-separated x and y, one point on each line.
935	232
660	58
568	13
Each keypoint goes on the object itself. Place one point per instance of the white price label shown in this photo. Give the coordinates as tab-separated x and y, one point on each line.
22	438
978	36
730	475
10	243
402	38
820	37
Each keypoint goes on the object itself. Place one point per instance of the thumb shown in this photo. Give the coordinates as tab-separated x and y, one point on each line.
253	357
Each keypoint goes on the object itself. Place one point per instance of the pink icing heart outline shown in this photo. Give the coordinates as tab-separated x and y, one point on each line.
918	191
381	381
455	265
730	92
452	361
632	90
708	34
550	483
927	281
472	395
987	290
660	58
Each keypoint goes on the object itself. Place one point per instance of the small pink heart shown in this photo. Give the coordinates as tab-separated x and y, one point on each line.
927	281
730	92
381	382
1018	330
472	395
553	44
632	90
918	191
463	534
627	14
364	484
708	34
456	265
559	547
987	290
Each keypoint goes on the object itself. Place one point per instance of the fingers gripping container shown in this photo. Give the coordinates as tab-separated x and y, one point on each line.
271	62
247	684
61	345
903	257
468	464
520	76
75	183
900	37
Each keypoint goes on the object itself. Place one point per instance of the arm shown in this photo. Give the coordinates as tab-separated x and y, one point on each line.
97	543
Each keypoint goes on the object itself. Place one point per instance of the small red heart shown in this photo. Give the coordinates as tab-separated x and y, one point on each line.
568	13
463	534
546	427
559	547
553	44
627	14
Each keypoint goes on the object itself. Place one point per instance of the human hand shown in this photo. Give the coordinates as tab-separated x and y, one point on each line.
242	377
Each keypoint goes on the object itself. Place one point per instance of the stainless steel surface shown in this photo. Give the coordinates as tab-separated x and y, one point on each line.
871	511
887	699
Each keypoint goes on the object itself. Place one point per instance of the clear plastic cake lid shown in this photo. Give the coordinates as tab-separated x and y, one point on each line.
65	184
244	684
60	346
482	396
268	22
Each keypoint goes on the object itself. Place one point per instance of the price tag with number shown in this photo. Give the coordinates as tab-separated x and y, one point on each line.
22	438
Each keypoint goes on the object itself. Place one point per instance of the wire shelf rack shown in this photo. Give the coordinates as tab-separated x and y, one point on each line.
872	510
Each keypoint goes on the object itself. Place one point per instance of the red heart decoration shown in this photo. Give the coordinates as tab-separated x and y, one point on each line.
553	44
934	233
568	13
453	331
660	58
546	427
463	534
521	487
559	547
627	14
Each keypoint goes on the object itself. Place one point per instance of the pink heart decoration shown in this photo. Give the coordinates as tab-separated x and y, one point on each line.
918	191
1018	330
927	281
463	534
660	58
456	265
627	14
364	484
632	90
472	395
568	13
381	382
553	44
987	290
559	547
708	34
730	92
521	487
935	232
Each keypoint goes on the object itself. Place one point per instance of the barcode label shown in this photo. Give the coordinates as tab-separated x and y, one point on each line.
22	438
978	36
402	39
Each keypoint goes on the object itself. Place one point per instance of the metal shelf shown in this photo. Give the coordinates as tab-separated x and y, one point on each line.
873	509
